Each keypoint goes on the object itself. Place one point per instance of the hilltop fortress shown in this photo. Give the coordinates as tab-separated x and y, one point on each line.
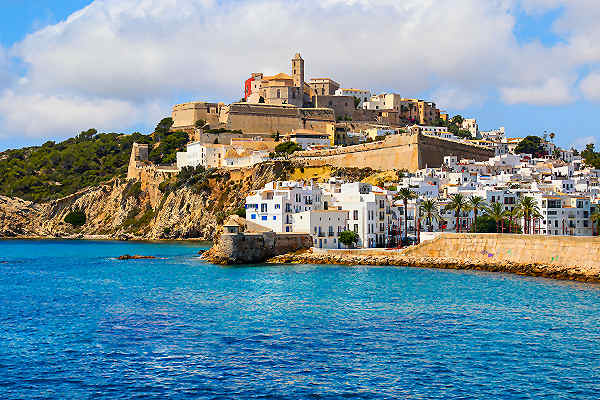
284	105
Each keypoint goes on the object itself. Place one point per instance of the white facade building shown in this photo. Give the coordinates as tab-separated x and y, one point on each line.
307	138
274	205
324	226
362	95
202	154
369	212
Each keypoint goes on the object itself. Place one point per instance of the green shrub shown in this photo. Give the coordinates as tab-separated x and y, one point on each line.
55	170
76	217
349	238
287	147
133	190
240	212
135	221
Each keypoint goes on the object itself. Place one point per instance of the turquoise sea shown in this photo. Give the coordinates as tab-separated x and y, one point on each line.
75	324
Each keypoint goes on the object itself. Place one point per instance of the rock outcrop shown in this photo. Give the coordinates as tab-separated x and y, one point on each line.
133	209
577	273
244	242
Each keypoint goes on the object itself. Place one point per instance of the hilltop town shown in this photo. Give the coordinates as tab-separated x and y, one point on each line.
447	174
305	157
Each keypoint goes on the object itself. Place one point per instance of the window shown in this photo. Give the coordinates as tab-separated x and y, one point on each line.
356	228
263	208
274	217
253	216
278	93
264	218
355	214
277	206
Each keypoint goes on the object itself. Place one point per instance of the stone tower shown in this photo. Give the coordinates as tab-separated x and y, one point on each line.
139	154
298	70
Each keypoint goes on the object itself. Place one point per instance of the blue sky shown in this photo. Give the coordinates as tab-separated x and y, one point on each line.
529	65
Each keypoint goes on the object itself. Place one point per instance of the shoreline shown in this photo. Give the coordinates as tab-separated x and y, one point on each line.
541	270
103	238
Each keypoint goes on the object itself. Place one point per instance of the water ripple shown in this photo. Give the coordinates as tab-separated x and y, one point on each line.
75	323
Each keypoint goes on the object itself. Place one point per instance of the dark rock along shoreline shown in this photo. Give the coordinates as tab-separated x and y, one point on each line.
526	269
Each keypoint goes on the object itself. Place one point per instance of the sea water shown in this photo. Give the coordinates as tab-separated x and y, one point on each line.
77	323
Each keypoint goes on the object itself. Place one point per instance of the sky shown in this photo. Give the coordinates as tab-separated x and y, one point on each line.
120	65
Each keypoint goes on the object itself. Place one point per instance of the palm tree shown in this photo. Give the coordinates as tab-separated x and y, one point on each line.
476	203
497	213
596	221
528	208
536	215
512	215
458	203
429	210
405	194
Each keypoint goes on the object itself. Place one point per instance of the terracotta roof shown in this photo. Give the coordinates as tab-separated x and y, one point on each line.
279	76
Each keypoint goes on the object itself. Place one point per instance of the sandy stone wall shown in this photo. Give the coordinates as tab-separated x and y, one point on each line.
410	152
185	115
258	118
255	247
551	250
432	151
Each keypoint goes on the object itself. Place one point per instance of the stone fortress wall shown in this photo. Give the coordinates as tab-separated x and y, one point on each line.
185	115
407	151
252	118
565	251
246	248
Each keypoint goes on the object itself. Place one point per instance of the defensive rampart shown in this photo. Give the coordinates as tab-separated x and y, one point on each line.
565	251
266	118
557	257
407	151
248	248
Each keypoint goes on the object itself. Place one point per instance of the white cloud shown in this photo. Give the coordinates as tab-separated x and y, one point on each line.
35	115
581	142
121	55
4	68
457	98
590	86
552	92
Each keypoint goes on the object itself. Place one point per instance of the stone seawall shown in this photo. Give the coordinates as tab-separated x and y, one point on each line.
566	251
557	257
247	248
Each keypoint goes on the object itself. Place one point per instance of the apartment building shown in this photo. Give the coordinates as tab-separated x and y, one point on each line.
274	205
369	212
360	94
562	215
325	226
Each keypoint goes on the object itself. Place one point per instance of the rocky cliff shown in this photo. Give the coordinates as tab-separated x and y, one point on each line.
153	207
133	209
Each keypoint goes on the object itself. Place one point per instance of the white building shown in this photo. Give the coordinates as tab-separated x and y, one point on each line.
470	124
361	94
202	154
274	205
562	215
495	135
306	138
324	226
369	212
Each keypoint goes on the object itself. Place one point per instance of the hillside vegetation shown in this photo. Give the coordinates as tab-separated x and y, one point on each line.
54	170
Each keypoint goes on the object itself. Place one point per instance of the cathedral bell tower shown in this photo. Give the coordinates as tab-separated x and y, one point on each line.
298	70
